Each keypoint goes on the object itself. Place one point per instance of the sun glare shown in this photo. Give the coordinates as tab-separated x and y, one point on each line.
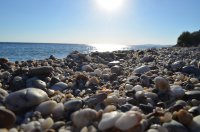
110	5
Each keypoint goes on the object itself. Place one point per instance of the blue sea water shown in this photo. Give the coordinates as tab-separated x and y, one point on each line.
37	51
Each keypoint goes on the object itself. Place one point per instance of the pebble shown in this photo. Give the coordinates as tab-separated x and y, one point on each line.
7	118
35	83
26	98
108	120
58	125
177	65
18	83
162	84
138	88
177	91
84	117
142	69
194	94
4	60
98	72
174	126
116	69
128	120
31	126
147	59
95	99
3	94
195	110
191	70
195	125
128	87
87	68
60	86
183	117
47	123
41	71
58	112
73	105
110	108
145	80
46	108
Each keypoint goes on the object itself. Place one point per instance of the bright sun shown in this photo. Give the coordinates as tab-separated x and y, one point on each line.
110	5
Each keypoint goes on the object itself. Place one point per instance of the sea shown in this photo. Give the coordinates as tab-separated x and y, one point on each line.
16	51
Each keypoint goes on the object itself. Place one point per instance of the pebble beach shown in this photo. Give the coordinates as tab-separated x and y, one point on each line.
152	90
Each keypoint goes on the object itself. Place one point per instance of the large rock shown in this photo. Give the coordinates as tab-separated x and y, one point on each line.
26	98
39	71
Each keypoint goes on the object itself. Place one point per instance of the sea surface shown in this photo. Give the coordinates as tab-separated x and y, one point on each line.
15	51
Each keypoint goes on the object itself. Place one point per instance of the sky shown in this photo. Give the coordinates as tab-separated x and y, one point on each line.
98	21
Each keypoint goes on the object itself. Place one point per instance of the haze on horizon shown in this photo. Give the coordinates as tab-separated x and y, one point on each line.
97	21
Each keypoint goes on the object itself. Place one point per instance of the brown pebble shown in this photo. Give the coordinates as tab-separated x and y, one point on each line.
7	118
183	117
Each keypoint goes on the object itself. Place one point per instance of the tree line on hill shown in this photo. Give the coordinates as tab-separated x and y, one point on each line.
187	39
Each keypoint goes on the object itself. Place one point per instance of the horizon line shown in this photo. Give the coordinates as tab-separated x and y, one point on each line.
79	43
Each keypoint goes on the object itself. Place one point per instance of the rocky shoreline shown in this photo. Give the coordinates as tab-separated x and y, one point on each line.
153	90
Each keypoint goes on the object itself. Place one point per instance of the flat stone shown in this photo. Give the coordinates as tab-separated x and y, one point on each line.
193	94
60	86
142	69
40	71
26	98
